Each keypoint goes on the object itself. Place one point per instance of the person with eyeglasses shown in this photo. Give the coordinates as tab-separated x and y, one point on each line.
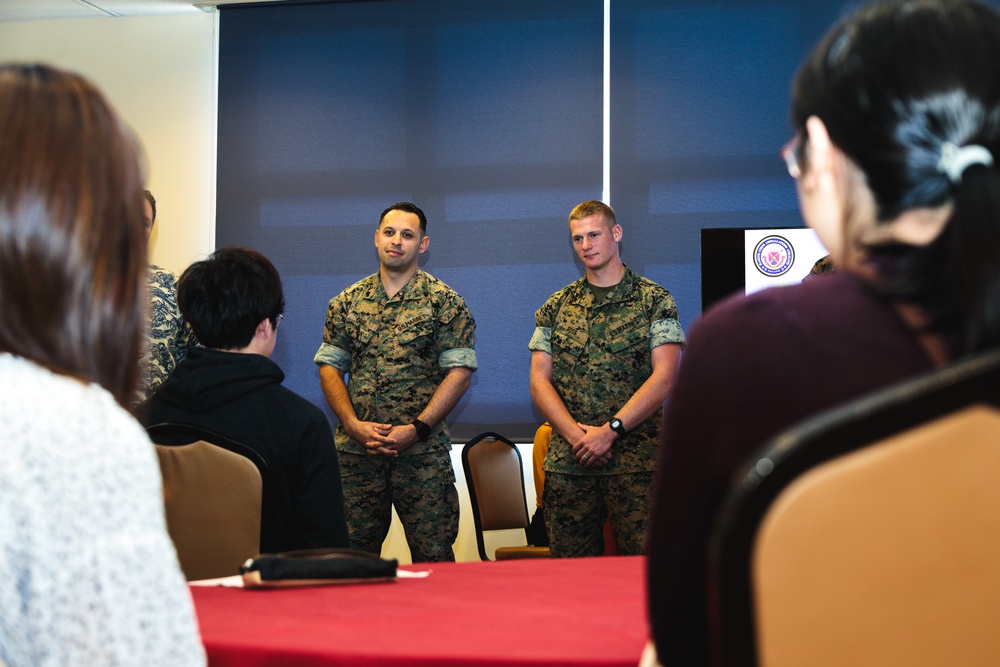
896	115
234	302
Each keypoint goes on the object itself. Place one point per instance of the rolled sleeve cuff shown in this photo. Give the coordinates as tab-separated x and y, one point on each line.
333	356
463	357
541	340
666	331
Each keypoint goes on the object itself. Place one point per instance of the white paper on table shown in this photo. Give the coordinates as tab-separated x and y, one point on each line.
236	580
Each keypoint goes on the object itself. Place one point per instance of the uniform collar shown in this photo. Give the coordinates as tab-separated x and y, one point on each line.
625	287
415	288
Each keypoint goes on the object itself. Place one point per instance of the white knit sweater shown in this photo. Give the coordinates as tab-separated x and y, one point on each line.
88	575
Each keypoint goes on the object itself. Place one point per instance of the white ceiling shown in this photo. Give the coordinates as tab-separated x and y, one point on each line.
40	10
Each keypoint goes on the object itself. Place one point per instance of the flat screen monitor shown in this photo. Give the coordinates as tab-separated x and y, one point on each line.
744	260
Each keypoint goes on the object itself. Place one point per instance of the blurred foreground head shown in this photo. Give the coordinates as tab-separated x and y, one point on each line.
897	113
72	253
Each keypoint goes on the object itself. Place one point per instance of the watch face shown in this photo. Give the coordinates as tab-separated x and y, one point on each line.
617	427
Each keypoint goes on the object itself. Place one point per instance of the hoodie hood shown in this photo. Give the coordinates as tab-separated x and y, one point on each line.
210	379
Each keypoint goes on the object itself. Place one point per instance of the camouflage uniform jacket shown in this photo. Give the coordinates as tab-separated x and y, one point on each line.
397	351
169	335
600	357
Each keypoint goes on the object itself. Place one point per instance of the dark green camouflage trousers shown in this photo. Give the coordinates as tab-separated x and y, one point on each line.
422	488
577	506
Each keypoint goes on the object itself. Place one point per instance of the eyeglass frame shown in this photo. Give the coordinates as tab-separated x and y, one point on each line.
792	153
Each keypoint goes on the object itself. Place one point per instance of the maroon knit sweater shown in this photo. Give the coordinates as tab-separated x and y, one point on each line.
753	367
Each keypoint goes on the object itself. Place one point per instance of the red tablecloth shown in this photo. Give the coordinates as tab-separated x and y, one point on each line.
558	613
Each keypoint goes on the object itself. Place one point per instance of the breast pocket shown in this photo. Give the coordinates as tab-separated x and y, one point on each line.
637	335
417	337
631	347
567	351
361	330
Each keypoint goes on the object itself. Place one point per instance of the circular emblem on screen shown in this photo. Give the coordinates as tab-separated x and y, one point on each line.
773	256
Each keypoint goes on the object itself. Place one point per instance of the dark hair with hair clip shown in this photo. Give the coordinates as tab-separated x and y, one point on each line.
894	83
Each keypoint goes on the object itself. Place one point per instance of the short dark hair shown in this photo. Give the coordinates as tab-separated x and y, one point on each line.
226	296
894	83
406	207
72	258
152	202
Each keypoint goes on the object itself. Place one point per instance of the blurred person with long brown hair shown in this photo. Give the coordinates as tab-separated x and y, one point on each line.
88	574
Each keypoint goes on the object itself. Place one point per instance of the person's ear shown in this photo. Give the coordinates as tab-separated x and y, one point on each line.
265	329
822	158
424	242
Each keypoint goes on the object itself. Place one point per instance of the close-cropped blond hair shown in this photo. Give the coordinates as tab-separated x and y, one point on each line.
593	207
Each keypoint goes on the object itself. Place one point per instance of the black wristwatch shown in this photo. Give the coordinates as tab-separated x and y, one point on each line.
423	430
617	426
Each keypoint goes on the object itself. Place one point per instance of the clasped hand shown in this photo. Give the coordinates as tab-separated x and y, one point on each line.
593	450
385	439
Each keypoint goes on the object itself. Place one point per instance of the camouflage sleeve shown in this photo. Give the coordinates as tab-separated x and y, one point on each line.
664	327
185	339
163	351
331	355
166	323
463	357
336	345
541	338
456	337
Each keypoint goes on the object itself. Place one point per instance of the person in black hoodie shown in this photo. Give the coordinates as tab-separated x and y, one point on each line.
233	300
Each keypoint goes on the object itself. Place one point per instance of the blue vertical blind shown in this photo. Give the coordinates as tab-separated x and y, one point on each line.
488	115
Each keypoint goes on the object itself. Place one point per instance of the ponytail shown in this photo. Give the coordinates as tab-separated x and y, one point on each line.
971	256
957	276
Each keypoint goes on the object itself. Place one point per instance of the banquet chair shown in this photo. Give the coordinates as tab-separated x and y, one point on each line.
495	477
868	535
213	490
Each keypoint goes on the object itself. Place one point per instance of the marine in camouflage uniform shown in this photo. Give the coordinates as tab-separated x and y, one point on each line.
598	357
398	350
